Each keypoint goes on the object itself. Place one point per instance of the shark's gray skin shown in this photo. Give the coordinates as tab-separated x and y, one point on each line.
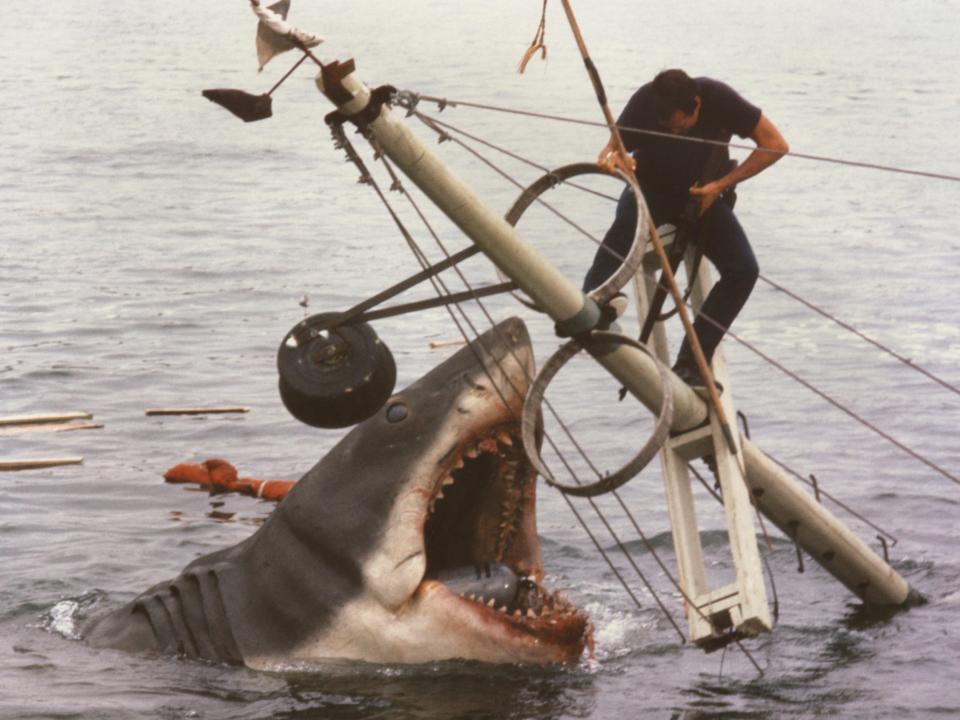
365	558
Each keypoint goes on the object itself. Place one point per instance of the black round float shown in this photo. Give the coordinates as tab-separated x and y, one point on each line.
332	377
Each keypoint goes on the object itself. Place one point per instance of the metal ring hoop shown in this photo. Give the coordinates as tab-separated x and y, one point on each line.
534	399
628	268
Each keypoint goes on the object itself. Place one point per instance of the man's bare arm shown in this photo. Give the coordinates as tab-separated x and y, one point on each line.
771	146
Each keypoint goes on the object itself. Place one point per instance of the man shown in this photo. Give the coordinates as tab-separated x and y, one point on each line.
668	171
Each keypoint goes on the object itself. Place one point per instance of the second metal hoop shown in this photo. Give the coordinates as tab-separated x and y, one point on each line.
534	399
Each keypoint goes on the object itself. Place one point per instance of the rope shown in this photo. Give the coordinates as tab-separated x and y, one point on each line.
654	554
683	138
509	178
537	43
422	259
622	160
625	162
840	406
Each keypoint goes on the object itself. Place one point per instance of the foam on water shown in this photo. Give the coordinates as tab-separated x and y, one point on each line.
63	619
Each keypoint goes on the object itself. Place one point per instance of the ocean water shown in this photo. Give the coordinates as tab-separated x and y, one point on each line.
153	251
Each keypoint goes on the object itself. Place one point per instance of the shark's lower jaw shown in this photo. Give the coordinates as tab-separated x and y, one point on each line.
483	555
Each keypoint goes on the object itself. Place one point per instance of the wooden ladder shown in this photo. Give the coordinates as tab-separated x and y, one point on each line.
738	608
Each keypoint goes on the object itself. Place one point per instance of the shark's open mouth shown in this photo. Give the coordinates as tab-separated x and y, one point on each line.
481	543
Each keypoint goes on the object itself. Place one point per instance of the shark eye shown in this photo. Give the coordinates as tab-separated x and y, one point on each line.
396	412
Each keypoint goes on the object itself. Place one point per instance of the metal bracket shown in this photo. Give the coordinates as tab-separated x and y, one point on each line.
586	319
333	75
383	95
358	313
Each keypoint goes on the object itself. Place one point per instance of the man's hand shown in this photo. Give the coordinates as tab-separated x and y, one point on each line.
708	194
770	147
612	161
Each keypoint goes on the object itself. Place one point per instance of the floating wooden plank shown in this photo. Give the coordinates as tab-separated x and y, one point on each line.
46	418
197	410
48	427
434	344
38	463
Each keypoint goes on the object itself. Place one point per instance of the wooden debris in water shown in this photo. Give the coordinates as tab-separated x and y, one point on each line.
49	427
37	463
434	344
198	410
47	418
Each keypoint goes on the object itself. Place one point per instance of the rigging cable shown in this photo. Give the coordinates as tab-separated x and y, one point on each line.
682	138
850	328
443	137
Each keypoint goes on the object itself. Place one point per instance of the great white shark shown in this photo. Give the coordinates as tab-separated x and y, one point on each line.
413	540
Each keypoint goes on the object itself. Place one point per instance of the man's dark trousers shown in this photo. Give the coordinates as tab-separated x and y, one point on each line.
725	244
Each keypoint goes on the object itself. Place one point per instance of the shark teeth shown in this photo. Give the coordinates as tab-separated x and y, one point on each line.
498	442
446	481
488	445
550	609
502	445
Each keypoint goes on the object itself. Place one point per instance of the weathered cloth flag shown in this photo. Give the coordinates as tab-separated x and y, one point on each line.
275	35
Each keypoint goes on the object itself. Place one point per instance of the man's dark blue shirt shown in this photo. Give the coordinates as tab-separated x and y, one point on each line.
669	165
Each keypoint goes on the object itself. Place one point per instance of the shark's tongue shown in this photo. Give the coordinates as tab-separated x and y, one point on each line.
487	581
